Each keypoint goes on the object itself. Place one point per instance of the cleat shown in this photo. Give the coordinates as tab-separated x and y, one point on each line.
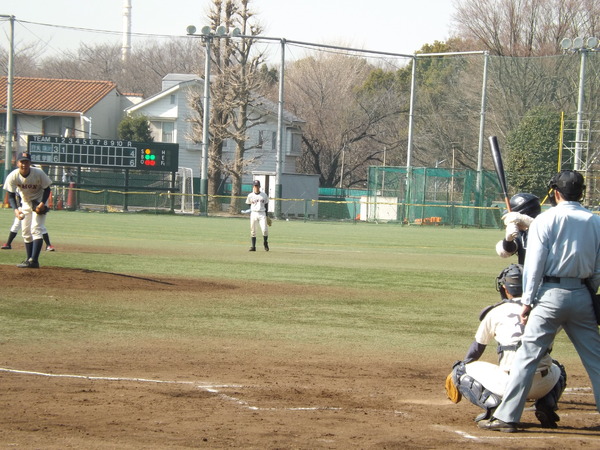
547	418
497	425
29	264
485	415
252	249
50	248
6	247
266	247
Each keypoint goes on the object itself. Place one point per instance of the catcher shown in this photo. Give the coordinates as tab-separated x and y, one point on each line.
524	208
483	383
34	188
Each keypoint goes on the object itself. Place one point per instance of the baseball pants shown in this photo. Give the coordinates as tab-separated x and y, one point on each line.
260	218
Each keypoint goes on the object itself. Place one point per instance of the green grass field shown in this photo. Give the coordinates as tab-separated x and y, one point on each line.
372	287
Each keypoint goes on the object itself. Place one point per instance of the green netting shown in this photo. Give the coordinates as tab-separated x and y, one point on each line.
436	196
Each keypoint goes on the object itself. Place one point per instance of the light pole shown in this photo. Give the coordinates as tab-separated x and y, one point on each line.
207	37
578	45
9	97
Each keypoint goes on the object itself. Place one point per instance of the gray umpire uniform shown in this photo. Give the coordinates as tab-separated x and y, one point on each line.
563	250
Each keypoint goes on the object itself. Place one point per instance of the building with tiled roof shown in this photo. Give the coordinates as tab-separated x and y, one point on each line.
59	107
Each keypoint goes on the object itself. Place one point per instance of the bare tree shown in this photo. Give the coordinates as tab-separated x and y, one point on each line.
234	91
148	63
524	27
343	124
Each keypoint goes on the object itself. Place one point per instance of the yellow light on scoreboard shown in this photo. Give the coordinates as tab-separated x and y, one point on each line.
149	158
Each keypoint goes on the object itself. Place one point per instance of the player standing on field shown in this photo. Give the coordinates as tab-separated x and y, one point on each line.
34	188
259	208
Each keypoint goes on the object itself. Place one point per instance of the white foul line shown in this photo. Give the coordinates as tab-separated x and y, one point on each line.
211	388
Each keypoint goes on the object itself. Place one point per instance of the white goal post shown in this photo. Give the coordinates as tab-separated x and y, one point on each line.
186	182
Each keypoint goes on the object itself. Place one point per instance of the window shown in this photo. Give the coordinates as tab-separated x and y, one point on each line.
57	126
264	138
162	131
296	144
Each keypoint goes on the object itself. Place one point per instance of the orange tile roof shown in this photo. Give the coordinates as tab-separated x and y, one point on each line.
31	95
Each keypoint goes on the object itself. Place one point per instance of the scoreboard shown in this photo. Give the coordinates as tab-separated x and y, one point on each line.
107	153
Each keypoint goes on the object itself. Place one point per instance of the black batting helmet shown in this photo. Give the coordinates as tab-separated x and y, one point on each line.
511	280
525	203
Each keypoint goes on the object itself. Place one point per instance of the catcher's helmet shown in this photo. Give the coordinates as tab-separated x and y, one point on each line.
511	280
569	183
525	203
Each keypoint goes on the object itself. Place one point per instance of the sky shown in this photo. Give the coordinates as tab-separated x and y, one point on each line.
394	26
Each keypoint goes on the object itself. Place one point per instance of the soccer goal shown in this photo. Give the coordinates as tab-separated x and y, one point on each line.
186	184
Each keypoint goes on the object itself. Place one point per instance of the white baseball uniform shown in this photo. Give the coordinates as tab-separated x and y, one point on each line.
502	324
258	212
31	189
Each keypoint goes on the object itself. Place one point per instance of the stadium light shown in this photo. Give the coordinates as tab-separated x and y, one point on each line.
583	47
207	35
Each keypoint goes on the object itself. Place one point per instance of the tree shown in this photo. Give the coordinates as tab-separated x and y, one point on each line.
532	151
143	72
135	128
524	27
345	112
233	92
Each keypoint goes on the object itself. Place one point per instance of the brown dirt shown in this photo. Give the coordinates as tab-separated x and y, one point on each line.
213	395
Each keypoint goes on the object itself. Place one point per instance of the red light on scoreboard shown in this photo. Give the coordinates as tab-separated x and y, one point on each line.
149	158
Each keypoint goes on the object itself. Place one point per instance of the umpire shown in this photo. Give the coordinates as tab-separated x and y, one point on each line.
563	251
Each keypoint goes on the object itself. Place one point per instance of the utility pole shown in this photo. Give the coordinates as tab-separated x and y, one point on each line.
9	97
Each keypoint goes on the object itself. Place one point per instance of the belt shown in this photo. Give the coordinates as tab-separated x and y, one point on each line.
557	280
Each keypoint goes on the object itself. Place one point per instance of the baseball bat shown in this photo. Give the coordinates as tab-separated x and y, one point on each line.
497	157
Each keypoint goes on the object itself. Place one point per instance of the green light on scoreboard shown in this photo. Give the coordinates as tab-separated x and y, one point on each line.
149	158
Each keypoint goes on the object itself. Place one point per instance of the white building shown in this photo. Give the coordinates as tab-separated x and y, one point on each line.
169	113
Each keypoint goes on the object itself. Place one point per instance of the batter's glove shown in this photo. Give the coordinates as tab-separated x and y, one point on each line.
523	221
512	231
41	209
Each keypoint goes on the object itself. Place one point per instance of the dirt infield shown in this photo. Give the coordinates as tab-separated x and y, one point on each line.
223	394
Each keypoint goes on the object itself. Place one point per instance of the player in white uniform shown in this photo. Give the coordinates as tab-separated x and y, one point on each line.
16	226
259	208
484	383
34	188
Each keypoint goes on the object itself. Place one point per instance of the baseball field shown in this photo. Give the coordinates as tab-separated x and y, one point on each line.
161	331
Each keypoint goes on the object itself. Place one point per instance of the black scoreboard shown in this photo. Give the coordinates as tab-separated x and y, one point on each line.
108	153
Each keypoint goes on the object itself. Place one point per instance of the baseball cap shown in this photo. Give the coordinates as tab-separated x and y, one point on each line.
256	183
24	157
568	182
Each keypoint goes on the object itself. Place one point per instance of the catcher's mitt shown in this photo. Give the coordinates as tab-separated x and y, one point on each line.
41	209
453	393
269	221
